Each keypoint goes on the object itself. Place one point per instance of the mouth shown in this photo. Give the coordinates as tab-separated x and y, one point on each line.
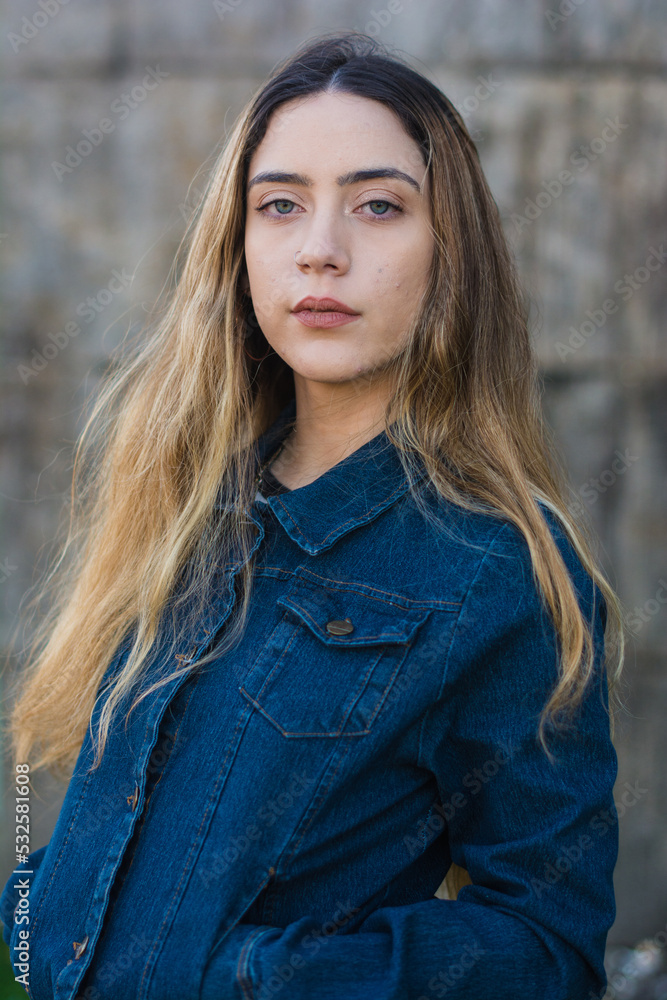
323	318
323	313
324	305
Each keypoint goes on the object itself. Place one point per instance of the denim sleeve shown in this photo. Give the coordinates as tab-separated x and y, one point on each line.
539	840
10	894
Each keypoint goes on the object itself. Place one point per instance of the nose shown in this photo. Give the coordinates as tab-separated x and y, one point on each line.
321	249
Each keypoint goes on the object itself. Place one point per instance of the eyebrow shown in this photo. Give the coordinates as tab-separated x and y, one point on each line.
353	177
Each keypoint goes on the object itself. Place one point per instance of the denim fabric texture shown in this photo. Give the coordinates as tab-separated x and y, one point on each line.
277	823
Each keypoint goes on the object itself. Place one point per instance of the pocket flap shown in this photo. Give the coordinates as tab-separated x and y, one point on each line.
311	681
373	616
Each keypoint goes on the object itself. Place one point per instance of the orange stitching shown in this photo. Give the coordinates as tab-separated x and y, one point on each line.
244	982
345	585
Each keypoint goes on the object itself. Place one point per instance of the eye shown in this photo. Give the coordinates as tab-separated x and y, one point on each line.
284	208
277	202
384	205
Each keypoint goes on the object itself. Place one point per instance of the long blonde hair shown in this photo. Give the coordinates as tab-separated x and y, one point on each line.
164	467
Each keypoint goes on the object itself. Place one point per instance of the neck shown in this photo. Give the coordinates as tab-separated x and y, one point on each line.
329	426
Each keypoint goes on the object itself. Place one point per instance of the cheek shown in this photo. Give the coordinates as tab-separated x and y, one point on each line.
256	261
259	256
264	272
271	287
398	284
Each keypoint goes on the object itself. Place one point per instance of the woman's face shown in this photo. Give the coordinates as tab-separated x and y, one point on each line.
363	240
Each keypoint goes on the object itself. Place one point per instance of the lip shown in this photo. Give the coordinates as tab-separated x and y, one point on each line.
324	319
324	305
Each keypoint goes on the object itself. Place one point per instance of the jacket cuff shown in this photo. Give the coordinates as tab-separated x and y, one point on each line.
227	974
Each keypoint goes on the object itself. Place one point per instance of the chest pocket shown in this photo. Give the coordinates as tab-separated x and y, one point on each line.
330	662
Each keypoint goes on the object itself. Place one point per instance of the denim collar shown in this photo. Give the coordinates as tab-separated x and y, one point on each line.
349	494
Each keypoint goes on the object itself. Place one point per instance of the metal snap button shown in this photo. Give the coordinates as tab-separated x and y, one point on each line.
79	947
340	626
133	799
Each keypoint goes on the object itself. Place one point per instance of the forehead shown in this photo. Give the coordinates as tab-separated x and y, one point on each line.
329	132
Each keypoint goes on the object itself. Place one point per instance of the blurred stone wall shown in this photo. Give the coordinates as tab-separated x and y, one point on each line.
112	108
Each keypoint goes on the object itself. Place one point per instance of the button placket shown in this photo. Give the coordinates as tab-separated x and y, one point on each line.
80	947
186	657
134	798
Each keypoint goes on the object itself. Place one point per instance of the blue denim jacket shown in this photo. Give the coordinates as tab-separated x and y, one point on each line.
278	823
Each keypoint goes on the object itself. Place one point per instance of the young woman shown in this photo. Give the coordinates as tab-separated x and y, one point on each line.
325	629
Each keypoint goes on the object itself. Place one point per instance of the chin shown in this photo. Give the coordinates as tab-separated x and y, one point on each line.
328	374
323	363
